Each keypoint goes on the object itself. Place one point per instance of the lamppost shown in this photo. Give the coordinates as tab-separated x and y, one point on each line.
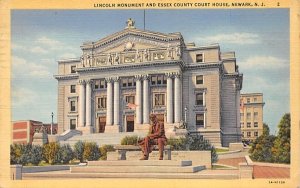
185	112
52	122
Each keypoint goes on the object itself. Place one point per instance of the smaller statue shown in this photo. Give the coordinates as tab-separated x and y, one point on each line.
130	23
117	58
109	59
146	55
177	50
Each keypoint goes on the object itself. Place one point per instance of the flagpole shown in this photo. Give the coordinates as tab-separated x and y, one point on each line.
144	19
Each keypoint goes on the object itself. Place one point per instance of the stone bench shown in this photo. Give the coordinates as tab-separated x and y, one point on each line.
122	149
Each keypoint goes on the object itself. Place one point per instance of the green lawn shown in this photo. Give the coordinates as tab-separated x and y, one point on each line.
219	150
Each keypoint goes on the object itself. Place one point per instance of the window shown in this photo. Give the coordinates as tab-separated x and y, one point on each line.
248	124
254	99
242	134
256	134
248	100
124	82
153	80
199	99
159	100
255	115
199	79
255	124
242	116
248	116
73	67
72	123
242	125
248	134
199	58
73	106
130	82
158	80
101	103
73	89
100	84
200	120
130	99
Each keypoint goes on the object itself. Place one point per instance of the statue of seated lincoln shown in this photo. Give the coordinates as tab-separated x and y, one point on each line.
156	136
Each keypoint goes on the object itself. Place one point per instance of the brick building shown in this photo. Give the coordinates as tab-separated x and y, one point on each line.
23	130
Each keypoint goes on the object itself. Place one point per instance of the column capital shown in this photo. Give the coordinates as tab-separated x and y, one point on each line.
177	75
138	77
116	79
145	77
109	79
81	82
89	81
169	74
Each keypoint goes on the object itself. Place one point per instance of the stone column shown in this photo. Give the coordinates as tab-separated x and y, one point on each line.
146	100
88	103
138	100
116	101
169	98
109	105
177	98
81	103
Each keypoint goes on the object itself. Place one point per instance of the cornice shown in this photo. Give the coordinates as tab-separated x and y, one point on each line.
131	66
66	77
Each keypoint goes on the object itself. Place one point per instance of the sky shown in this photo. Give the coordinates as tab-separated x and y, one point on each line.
259	38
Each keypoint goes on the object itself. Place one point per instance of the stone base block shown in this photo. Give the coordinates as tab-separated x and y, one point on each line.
112	129
236	146
245	171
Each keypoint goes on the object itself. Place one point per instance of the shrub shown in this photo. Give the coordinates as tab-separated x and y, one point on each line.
130	140
19	154
51	153
66	153
104	149
36	154
78	150
193	142
177	143
91	151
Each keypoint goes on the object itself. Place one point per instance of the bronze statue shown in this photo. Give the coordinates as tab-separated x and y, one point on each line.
156	136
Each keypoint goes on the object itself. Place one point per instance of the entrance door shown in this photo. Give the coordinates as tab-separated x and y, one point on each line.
102	124
130	123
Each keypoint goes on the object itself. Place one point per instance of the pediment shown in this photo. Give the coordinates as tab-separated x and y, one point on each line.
132	39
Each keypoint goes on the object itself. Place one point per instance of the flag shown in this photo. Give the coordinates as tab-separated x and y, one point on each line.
131	106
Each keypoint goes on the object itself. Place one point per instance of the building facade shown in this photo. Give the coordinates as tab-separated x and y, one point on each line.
120	79
251	112
23	130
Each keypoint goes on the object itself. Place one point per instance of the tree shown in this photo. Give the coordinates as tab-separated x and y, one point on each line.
261	148
281	148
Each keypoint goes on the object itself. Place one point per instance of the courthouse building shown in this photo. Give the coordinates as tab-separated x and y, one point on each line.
251	116
122	78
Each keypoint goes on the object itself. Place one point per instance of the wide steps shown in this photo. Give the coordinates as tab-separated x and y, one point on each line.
136	169
140	163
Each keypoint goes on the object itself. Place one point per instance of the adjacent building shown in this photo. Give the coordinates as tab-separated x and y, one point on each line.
23	130
122	78
251	111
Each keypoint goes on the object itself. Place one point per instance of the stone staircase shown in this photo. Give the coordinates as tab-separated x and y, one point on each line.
101	138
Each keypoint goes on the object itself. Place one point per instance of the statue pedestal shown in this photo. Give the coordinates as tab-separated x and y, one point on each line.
40	139
86	130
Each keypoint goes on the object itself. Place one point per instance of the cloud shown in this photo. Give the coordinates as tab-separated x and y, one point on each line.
38	50
51	43
16	46
232	38
23	96
67	56
264	63
23	67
